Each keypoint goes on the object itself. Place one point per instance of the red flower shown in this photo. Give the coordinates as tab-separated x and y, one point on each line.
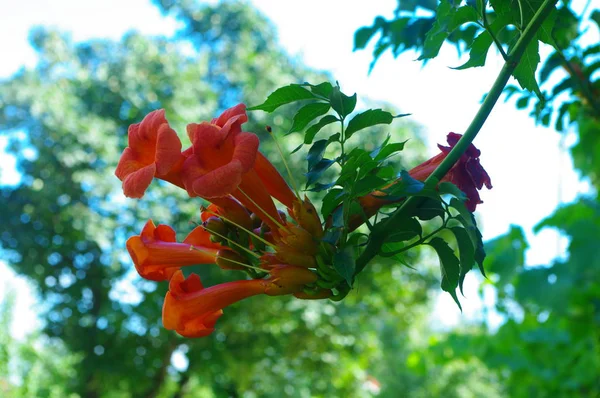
467	174
154	151
226	161
157	255
192	310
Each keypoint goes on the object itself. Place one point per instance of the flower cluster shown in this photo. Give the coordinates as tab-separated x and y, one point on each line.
241	229
281	252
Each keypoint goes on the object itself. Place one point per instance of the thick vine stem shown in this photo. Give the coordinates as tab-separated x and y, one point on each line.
379	231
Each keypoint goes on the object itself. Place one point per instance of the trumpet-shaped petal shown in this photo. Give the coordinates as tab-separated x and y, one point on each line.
223	163
232	118
154	151
157	255
192	310
219	161
174	318
273	181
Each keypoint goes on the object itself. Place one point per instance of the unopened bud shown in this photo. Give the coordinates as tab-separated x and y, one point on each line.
216	226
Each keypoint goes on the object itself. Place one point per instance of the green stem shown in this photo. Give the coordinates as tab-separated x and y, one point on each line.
379	231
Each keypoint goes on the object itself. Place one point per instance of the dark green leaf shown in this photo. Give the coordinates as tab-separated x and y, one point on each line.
366	119
315	153
478	52
296	149
317	170
596	17
362	36
388	150
466	253
523	102
451	189
448	19
368	184
438	33
307	114
525	70
391	250
404	186
341	103
344	263
331	200
467	219
322	89
405	230
282	96
312	131
318	187
449	266
430	209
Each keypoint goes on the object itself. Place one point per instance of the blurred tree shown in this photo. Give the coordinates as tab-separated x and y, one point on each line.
65	224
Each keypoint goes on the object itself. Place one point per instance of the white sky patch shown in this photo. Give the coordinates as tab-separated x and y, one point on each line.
25	319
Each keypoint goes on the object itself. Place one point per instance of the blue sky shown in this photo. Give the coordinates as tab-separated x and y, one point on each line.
530	170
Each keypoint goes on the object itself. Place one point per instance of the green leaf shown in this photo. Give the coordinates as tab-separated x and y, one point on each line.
282	96
467	219
479	50
451	189
366	119
315	153
341	103
596	17
430	209
322	89
368	184
318	187
344	263
317	170
331	200
438	33
449	266
312	131
466	253
405	230
388	150
389	249
307	114
448	19
363	36
404	186
525	70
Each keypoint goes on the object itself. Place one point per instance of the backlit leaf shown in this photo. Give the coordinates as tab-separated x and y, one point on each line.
366	119
282	96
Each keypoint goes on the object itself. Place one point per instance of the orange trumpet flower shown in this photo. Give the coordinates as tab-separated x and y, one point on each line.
154	151
157	255
226	161
192	310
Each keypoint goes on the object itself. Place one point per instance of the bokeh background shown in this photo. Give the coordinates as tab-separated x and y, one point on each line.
77	321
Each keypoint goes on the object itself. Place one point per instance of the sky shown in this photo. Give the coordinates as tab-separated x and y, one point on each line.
530	169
